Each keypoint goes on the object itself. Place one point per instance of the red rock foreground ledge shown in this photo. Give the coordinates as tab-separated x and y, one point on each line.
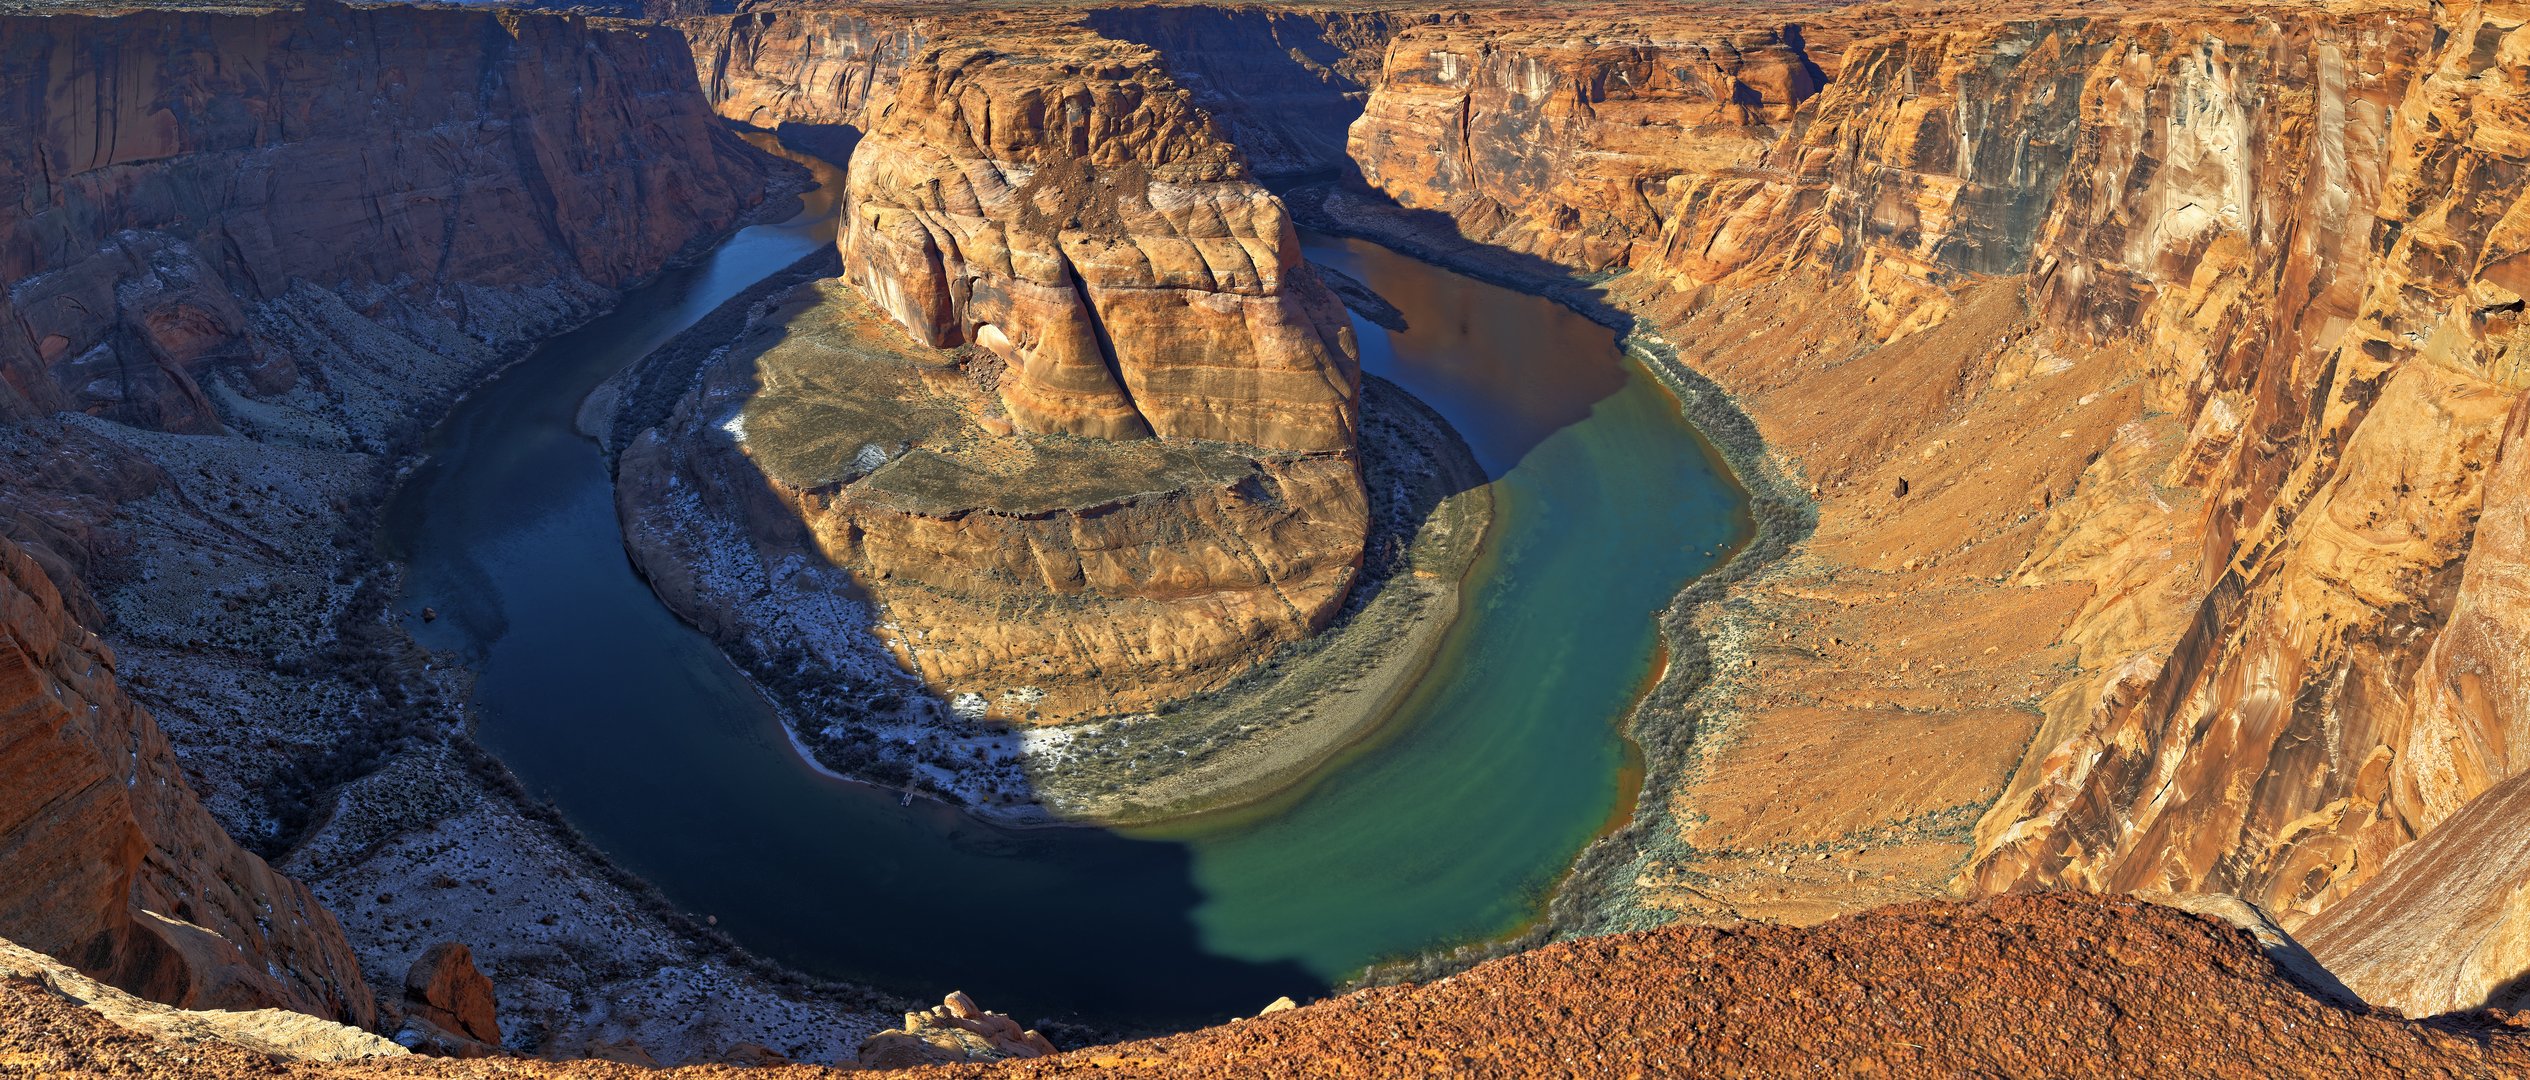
2044	985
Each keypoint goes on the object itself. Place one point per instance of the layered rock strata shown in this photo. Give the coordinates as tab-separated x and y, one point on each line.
1071	211
289	254
497	198
1083	263
1287	84
1024	577
2261	399
1574	140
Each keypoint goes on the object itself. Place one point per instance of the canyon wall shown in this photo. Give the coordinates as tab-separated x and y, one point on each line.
498	198
2235	289
1574	140
1070	210
818	68
108	861
248	257
1287	84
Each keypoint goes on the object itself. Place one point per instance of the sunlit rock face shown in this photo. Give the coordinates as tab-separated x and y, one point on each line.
108	861
1574	141
176	176
768	69
1070	210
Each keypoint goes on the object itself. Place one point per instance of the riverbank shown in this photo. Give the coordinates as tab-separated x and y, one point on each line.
1597	895
1261	740
712	554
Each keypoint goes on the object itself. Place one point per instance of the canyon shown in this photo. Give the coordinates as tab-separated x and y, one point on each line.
2122	404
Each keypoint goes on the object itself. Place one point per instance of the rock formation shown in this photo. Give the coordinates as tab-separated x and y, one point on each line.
107	860
952	1032
1069	210
496	198
292	236
1285	83
280	1033
815	68
1028	577
446	1000
1573	141
1083	262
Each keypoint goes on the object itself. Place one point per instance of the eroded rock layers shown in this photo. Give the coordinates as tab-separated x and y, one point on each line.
1070	210
2235	293
246	258
1083	262
175	176
1574	141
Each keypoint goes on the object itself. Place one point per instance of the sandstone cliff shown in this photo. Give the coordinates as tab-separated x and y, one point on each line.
149	158
1070	210
2230	294
291	253
1285	83
1574	139
1029	577
107	860
818	68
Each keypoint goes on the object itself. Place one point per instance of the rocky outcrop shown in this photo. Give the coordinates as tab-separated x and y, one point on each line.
1063	204
280	1033
2046	985
108	861
445	995
1574	141
1026	577
178	177
952	1032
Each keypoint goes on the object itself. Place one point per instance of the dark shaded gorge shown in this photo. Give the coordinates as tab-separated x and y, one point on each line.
1451	823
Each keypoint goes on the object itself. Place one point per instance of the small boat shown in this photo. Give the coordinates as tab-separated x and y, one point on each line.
908	800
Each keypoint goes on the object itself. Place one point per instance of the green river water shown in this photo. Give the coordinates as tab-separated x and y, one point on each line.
1451	824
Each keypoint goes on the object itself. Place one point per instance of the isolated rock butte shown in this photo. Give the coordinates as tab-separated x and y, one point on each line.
1071	210
108	861
1052	577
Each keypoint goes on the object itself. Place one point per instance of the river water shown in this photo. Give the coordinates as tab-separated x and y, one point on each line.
1451	825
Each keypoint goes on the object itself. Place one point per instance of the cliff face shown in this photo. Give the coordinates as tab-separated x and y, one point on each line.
2331	696
768	69
1286	84
151	156
290	237
109	862
1573	142
2233	294
1070	210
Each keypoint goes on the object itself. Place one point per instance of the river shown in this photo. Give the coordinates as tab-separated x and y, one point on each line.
1451	825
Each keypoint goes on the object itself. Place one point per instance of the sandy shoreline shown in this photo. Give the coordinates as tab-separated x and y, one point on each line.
1345	682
